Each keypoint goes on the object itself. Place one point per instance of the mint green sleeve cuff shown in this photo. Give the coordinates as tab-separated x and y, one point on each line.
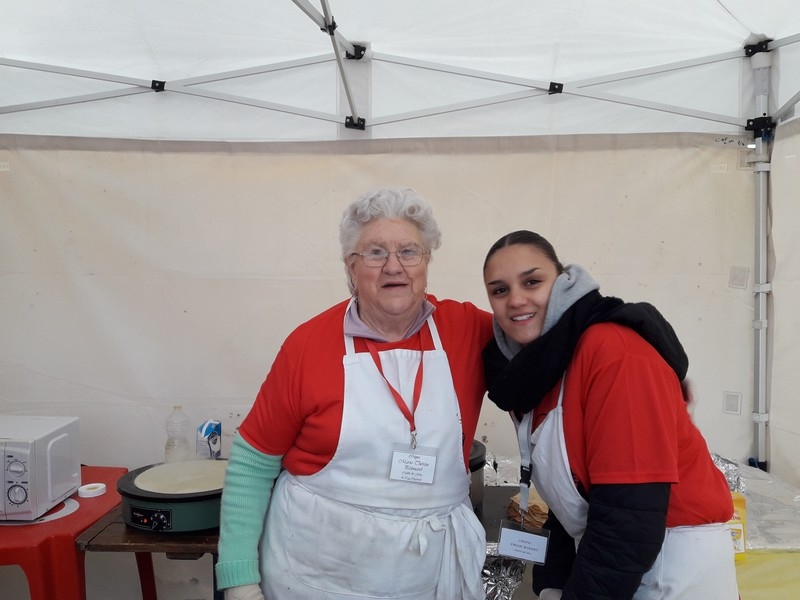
249	478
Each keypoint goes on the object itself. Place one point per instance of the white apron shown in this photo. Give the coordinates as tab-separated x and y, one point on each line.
694	563
349	532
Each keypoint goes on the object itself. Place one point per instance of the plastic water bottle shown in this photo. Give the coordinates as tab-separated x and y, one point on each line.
177	446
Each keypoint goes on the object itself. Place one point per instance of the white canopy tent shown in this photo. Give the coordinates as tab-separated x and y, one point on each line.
257	70
171	177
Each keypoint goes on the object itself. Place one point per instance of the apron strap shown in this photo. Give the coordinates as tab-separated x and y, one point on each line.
525	449
526	446
349	344
437	341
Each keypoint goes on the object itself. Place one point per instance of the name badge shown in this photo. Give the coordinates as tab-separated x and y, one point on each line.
528	544
414	466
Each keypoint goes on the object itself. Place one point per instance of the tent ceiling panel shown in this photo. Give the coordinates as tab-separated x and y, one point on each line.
690	87
424	58
317	81
172	117
787	79
555	115
21	86
157	40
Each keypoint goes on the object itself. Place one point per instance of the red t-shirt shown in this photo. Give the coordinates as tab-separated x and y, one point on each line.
298	410
626	421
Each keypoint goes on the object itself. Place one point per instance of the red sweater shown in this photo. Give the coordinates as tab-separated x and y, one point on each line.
298	410
625	421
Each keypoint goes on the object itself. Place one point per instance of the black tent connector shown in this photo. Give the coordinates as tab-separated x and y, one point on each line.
358	52
555	88
752	49
350	123
157	85
331	29
762	127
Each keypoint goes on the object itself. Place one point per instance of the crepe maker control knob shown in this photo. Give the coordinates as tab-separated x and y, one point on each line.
158	521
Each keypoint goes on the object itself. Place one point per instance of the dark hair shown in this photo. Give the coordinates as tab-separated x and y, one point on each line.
529	238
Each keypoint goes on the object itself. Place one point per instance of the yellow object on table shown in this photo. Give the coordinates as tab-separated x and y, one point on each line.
738	525
769	575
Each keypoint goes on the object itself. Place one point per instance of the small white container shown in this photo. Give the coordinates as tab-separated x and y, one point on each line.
209	440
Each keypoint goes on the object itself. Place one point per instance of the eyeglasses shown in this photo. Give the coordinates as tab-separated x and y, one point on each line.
376	256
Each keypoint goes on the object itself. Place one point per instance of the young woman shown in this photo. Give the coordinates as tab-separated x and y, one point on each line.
637	506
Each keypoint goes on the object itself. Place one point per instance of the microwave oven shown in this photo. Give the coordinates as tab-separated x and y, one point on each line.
41	465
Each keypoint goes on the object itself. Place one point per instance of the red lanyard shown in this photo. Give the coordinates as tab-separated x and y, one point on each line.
401	403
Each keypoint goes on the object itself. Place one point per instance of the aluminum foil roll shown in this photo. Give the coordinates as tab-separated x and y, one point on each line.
501	575
731	471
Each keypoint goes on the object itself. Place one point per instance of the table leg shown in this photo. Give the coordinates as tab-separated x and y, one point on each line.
40	583
147	578
54	574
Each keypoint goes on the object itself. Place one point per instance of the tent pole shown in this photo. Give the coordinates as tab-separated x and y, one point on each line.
761	289
330	26
763	128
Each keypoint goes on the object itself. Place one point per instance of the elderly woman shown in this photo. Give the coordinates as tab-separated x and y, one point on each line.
349	478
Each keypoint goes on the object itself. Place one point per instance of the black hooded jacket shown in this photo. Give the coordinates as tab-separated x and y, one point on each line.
626	523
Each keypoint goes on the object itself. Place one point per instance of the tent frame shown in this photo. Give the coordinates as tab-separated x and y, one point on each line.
530	88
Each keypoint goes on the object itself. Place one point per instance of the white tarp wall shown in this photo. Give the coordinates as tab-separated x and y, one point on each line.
133	279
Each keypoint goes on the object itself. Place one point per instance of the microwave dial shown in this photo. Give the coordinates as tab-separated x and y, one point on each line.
17	494
16	468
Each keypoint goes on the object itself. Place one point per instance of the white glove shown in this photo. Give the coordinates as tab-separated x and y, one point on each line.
244	592
547	594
